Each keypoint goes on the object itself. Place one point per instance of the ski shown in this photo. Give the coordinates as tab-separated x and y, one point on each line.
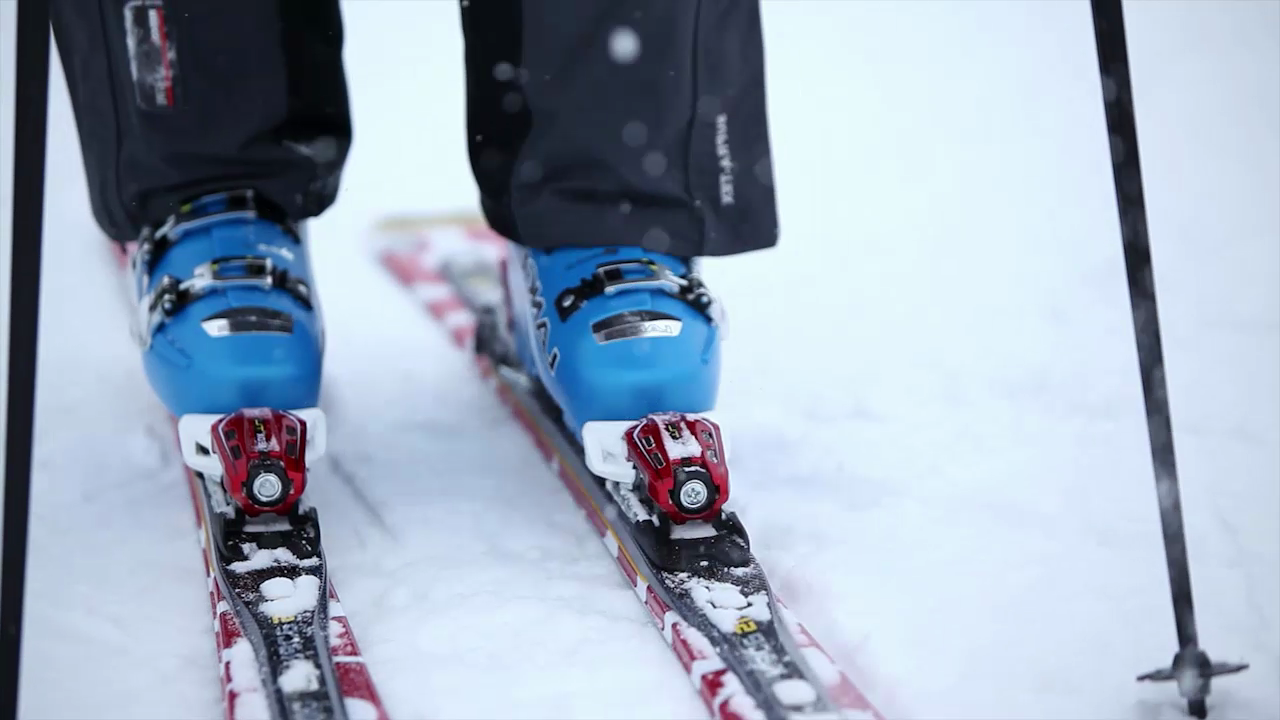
653	489
285	647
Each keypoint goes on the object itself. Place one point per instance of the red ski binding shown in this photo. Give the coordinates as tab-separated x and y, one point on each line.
680	460
260	454
263	455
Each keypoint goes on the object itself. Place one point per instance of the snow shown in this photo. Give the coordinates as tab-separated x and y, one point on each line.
276	588
357	708
635	133
337	632
624	45
794	692
242	669
299	676
252	707
654	163
826	672
739	703
725	604
682	447
939	441
263	558
504	72
694	529
286	598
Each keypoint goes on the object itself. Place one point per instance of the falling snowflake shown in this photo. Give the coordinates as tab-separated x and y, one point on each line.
512	102
656	239
654	163
503	72
624	45
635	133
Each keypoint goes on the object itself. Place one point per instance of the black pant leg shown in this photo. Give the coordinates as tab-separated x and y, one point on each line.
174	98
621	122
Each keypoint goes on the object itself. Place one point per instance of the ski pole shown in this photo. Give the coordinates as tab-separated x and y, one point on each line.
1191	667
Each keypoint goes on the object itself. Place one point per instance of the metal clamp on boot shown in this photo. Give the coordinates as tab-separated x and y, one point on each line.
208	210
170	295
642	274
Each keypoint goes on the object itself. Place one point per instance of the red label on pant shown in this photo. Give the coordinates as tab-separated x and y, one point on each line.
153	59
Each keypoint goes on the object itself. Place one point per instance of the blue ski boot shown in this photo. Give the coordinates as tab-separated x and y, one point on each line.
614	333
227	315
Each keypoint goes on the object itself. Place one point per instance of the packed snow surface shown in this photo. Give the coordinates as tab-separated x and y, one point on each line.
939	441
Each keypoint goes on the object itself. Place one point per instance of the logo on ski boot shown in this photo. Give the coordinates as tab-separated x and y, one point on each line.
537	308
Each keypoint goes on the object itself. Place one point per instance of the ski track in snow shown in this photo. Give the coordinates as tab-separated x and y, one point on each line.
931	386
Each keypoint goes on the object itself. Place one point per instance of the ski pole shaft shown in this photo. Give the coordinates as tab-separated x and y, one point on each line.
30	113
1113	61
1191	667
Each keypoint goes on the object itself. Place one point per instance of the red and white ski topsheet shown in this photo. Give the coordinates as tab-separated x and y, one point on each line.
414	250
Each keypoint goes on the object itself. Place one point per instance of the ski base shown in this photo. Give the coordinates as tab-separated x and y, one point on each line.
746	655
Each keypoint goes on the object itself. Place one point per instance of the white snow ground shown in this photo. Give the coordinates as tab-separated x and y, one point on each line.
932	381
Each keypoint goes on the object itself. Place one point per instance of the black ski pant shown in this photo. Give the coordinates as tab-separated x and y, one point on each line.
590	122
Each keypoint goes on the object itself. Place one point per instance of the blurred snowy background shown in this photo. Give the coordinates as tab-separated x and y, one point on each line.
932	380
